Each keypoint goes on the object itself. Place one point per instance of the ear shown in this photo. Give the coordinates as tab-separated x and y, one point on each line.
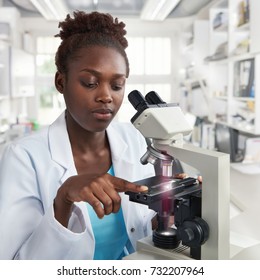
59	81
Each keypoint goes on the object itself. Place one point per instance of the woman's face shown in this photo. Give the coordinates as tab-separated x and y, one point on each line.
94	86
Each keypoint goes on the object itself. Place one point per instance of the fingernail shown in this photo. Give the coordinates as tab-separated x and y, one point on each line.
143	188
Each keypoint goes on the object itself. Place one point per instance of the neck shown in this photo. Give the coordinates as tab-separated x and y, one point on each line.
83	140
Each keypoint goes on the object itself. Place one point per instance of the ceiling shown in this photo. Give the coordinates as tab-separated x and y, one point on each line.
122	7
129	8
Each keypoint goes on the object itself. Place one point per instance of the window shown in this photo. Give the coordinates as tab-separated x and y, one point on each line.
135	53
149	56
51	102
150	69
157	56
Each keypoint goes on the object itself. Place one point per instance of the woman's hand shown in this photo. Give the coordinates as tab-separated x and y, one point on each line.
100	192
184	176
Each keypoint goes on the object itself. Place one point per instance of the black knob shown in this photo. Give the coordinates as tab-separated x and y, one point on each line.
187	235
193	233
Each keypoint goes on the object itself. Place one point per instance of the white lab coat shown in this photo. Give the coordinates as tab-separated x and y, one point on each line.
31	171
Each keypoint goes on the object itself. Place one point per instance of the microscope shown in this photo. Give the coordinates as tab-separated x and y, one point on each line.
201	214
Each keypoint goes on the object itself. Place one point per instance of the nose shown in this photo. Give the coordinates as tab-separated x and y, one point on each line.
104	95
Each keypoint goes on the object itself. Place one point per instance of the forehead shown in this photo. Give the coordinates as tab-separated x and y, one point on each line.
99	58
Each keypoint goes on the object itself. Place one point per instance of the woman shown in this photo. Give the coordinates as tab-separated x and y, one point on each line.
62	189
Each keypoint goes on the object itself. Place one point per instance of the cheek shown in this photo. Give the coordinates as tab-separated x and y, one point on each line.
77	105
76	96
118	100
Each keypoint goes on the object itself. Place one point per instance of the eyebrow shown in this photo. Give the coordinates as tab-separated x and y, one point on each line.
96	73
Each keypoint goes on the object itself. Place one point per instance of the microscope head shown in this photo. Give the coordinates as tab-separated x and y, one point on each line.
158	120
163	123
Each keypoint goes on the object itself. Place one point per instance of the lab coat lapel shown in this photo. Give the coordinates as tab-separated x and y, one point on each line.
61	152
119	150
60	147
123	167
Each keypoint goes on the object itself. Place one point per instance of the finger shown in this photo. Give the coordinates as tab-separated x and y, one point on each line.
200	179
104	199
122	185
107	194
180	176
171	221
97	206
115	199
107	204
109	198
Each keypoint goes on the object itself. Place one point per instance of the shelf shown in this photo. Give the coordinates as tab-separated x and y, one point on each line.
247	128
234	74
191	81
244	98
243	27
220	61
243	56
232	58
221	28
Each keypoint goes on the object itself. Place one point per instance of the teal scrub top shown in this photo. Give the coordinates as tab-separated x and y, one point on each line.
109	232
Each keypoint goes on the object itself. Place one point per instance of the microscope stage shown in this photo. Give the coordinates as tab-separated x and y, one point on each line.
160	188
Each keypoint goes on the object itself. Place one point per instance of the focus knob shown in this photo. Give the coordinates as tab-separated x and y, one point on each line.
193	233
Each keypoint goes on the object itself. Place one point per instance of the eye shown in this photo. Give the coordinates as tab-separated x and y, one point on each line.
89	84
117	87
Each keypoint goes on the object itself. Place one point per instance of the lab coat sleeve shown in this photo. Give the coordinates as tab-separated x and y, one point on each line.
29	231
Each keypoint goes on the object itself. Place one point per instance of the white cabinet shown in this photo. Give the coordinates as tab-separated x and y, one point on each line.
17	68
234	64
11	16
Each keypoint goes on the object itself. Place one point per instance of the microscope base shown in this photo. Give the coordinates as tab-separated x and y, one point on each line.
243	245
147	251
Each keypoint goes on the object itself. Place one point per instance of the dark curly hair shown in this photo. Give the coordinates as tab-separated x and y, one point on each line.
89	29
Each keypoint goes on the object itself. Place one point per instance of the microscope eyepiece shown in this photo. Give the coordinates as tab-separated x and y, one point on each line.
153	98
137	100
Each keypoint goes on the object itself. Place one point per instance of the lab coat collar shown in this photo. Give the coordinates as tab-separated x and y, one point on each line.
117	145
60	147
61	151
120	155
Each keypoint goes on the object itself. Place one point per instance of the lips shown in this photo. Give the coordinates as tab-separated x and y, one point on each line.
103	113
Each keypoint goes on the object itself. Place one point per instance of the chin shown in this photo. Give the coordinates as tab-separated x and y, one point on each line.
99	126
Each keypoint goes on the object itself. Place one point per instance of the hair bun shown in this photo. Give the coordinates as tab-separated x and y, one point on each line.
95	22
